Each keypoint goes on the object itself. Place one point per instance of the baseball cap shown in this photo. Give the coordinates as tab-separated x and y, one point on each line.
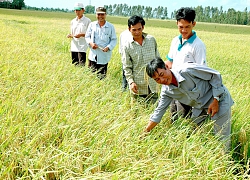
78	6
101	10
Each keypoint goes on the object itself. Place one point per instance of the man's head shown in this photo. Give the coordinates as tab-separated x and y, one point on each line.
185	13
79	9
159	71
136	25
101	14
185	21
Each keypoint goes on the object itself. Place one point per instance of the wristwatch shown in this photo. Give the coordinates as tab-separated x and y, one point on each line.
217	98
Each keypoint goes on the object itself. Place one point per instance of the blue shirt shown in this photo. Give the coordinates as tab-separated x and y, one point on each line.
104	36
197	87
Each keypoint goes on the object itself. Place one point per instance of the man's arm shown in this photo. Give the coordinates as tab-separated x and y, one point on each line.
163	104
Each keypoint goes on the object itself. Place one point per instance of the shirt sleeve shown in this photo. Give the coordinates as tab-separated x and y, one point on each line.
163	104
127	65
113	39
88	34
170	55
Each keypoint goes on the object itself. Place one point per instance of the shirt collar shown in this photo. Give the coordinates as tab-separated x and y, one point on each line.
190	40
80	18
132	40
105	25
177	75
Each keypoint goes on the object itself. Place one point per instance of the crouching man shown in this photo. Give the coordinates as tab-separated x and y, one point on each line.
197	86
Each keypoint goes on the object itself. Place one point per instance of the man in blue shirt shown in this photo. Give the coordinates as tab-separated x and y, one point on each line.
194	85
101	37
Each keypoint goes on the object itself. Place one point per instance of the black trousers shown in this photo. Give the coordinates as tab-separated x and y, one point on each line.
100	69
78	58
124	80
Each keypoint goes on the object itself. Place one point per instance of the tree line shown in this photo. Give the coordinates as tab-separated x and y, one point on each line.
203	14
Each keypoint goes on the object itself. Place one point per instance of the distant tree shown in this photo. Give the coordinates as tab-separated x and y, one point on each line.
18	4
244	17
199	13
110	10
148	12
89	9
165	13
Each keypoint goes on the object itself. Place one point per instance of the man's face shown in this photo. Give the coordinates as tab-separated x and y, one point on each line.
79	13
163	76
101	17
185	28
136	30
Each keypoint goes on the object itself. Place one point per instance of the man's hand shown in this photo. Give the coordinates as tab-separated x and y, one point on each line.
79	35
213	108
69	36
150	126
93	45
133	87
105	49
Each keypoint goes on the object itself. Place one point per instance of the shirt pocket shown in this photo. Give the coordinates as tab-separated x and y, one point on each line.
195	93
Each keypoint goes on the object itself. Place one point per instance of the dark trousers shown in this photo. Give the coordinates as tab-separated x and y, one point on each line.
124	80
100	69
78	58
178	110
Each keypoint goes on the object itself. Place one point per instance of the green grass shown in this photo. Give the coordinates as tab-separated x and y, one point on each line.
58	121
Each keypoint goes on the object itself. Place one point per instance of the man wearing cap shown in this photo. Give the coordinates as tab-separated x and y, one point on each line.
101	37
78	29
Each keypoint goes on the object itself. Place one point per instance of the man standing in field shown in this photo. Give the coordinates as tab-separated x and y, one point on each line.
78	29
101	37
187	47
197	86
139	49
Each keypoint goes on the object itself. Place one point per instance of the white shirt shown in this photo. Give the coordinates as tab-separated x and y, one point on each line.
79	26
124	37
192	50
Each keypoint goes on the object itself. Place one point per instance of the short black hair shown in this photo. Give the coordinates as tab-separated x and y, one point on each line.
185	13
133	20
153	65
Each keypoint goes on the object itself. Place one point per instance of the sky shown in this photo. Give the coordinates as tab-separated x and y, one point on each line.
238	5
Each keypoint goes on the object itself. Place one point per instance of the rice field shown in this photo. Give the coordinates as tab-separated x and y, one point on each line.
58	121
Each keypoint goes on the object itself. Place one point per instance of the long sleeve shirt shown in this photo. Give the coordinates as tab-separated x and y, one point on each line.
135	58
104	36
197	87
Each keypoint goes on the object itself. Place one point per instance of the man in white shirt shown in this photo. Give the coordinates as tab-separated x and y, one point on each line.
187	47
78	29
